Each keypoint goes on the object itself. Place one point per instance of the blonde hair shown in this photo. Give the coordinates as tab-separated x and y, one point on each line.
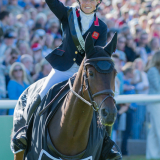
23	70
155	61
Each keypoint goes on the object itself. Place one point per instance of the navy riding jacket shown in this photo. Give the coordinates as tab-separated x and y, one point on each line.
63	57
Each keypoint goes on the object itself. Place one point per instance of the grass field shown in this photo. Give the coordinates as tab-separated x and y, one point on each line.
135	158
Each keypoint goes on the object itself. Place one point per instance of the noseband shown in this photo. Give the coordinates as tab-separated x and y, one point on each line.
108	92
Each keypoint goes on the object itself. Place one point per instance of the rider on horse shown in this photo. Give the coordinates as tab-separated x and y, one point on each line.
66	59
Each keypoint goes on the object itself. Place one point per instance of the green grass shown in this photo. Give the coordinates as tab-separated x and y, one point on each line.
135	158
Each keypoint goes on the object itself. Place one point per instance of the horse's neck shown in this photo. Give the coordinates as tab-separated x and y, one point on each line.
69	128
77	113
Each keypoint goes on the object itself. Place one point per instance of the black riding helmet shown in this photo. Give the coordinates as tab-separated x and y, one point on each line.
96	6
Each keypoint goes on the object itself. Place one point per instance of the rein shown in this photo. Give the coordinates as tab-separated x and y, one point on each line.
108	92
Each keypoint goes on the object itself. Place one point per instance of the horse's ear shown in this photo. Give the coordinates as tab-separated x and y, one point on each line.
111	46
89	45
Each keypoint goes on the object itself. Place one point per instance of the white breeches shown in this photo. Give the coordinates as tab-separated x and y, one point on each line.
56	76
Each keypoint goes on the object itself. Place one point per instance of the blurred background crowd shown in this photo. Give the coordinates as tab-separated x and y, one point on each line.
31	31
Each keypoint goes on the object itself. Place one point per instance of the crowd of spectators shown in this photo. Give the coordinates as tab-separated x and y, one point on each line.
31	31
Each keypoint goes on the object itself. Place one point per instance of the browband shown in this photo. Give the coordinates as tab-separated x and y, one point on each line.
98	59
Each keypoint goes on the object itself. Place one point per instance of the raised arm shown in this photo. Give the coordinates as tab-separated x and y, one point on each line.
57	8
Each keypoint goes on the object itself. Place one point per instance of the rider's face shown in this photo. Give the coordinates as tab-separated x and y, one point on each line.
88	6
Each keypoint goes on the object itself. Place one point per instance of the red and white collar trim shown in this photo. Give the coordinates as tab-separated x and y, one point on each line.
96	22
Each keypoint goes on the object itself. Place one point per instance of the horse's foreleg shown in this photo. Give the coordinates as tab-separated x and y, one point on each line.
19	156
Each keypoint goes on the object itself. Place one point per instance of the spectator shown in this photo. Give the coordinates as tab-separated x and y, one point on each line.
123	20
141	87
143	22
37	52
153	137
48	45
128	89
42	36
2	82
14	55
11	56
9	38
5	20
41	20
144	50
117	4
23	34
3	90
121	42
120	121
27	61
118	66
24	48
57	42
14	8
137	34
125	30
152	29
36	38
18	82
31	22
53	28
155	45
130	49
140	76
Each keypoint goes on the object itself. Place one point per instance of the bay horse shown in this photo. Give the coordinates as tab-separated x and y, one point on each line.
77	130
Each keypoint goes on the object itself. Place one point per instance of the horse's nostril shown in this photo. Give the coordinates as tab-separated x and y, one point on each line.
104	112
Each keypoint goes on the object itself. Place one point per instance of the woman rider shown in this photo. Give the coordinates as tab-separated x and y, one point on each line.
76	24
66	59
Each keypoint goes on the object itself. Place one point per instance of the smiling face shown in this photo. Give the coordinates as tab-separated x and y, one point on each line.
88	6
17	72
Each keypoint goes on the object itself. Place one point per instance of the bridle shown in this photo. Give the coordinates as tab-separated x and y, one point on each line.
108	92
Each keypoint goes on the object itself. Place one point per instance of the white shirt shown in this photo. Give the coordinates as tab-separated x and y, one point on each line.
86	21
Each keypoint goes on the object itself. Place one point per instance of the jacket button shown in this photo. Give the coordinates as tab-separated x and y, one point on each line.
76	52
74	59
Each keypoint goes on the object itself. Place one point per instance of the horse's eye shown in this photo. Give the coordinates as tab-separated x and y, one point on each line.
91	73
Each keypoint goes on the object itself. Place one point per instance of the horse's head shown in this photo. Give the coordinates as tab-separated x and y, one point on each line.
99	79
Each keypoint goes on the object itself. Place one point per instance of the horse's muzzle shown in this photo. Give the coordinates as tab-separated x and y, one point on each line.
107	118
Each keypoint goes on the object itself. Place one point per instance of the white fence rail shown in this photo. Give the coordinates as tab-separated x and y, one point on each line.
7	104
